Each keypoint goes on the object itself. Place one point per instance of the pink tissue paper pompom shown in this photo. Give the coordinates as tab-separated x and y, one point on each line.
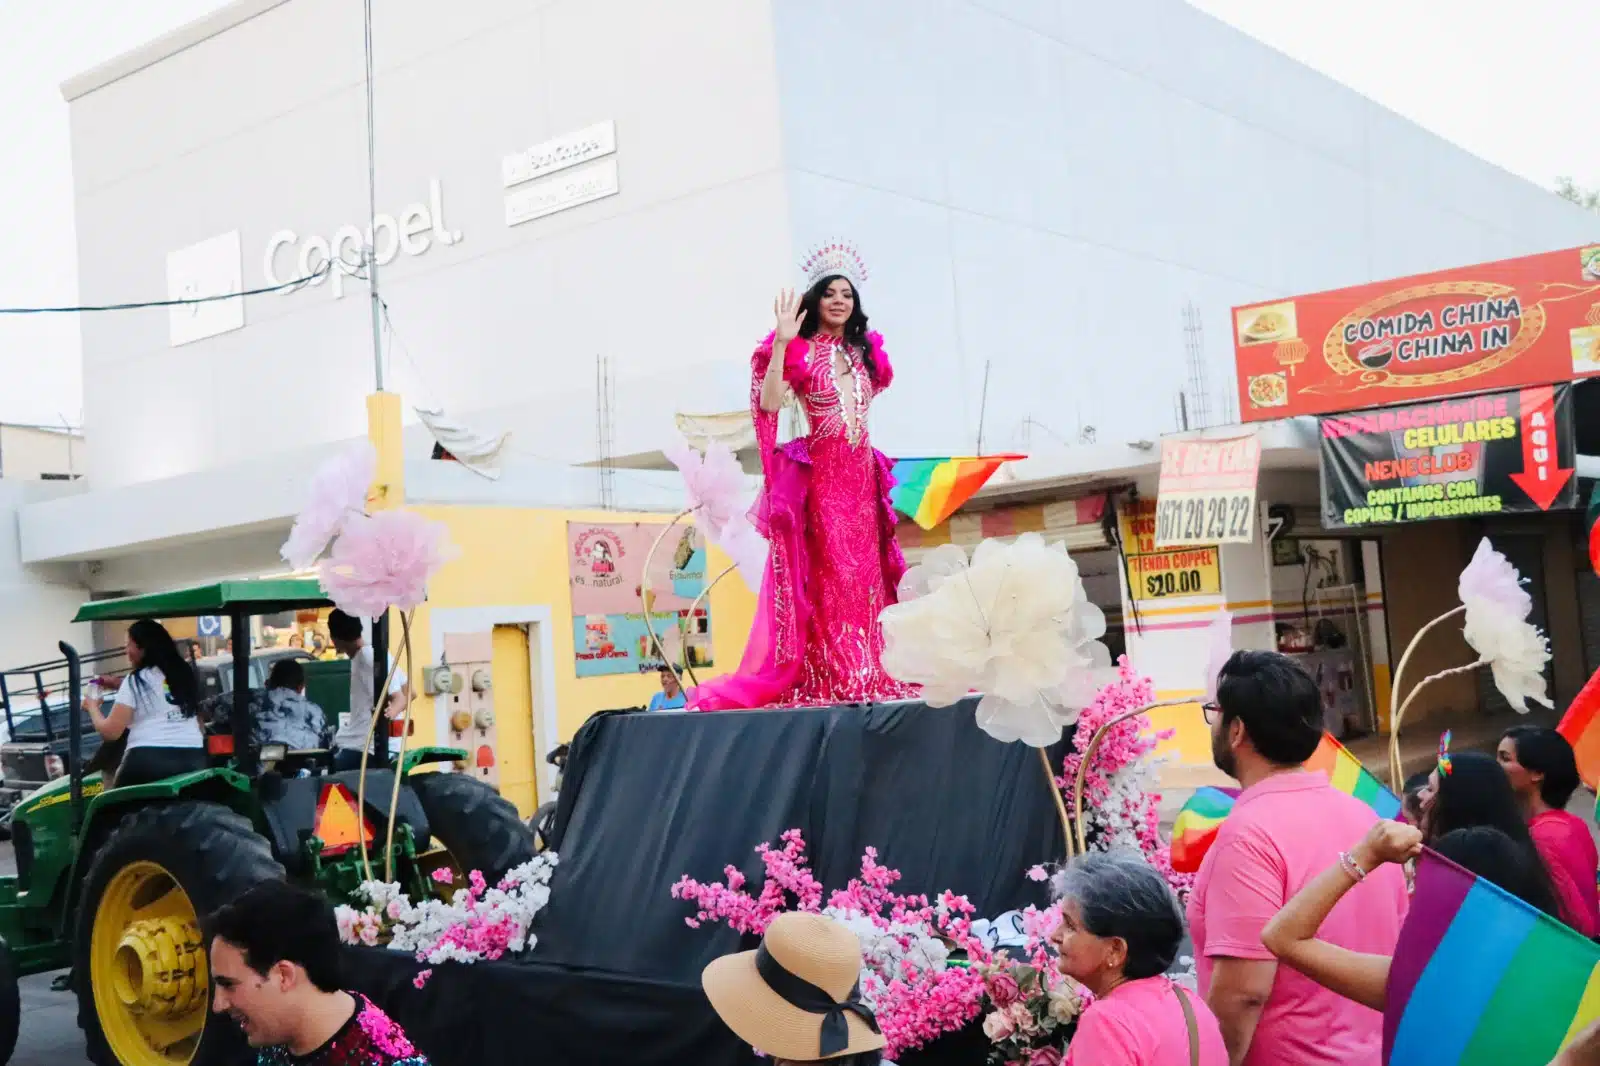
338	493
384	561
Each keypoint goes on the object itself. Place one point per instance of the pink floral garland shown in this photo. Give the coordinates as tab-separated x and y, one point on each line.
915	998
1125	746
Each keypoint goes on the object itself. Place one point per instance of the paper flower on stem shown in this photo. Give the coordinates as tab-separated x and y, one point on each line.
1013	623
714	486
1498	629
1219	648
338	493
382	561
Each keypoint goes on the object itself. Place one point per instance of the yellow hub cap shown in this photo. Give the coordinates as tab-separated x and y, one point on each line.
148	968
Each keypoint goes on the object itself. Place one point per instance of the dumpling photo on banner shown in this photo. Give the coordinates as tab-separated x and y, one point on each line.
1480	978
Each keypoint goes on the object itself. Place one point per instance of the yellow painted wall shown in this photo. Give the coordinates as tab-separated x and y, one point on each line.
510	556
1191	744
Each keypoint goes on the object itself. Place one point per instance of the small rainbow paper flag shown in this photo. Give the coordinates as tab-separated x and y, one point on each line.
928	491
1480	978
1581	726
1195	828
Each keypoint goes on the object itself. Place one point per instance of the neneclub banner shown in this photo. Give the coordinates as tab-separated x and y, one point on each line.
1498	453
1504	325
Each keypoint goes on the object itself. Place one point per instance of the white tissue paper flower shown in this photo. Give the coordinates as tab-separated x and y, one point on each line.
1012	623
1498	629
713	485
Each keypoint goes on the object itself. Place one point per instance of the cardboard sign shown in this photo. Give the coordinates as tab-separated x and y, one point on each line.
1499	453
1207	494
1503	325
1156	574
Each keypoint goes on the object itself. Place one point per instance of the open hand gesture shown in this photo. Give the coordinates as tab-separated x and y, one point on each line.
787	310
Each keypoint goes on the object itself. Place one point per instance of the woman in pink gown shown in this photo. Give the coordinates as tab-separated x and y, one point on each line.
833	563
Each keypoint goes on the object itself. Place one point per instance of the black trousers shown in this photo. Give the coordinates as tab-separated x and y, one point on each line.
140	766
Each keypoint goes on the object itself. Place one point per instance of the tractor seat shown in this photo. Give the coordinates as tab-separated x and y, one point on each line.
291	806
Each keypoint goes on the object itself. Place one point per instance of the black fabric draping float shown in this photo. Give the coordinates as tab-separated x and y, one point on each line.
648	798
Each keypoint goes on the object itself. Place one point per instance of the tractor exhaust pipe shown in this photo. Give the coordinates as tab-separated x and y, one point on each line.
74	731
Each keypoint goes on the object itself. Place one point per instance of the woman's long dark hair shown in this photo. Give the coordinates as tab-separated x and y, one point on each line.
1493	856
160	651
855	327
1474	794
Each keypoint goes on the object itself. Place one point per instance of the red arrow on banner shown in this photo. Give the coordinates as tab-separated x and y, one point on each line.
1541	477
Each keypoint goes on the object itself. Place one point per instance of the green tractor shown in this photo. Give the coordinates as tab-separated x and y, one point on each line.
111	882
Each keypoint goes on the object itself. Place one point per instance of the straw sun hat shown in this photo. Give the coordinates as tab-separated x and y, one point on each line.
796	996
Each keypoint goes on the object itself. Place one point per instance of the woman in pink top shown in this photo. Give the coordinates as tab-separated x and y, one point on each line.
1120	931
1543	772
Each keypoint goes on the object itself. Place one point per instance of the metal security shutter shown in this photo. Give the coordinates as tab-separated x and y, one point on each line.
1526	553
1589	617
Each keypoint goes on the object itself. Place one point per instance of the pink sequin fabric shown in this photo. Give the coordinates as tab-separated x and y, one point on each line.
834	563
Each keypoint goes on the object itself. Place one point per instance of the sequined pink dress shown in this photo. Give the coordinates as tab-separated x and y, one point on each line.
833	563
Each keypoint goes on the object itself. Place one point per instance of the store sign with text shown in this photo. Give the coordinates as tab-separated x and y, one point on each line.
1503	325
1160	574
1207	493
1498	453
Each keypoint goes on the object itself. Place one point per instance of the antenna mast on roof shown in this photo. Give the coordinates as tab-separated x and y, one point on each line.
604	400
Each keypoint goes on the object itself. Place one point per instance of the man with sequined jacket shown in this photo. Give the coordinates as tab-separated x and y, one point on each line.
274	956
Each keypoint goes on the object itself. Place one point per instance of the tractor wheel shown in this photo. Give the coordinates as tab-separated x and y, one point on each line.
10	1004
480	828
142	978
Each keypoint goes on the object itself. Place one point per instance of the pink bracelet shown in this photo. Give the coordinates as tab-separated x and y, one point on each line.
1347	862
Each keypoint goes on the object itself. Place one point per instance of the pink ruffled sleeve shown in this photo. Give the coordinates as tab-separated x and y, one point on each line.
794	360
880	359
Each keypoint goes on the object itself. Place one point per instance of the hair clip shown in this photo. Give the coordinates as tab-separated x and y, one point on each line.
1444	754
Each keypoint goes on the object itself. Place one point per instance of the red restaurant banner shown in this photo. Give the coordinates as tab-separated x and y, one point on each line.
1505	325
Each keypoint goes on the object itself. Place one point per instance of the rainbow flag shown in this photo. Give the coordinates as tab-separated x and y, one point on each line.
1195	828
1581	726
1480	978
928	491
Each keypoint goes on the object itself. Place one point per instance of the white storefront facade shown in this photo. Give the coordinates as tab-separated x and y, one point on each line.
1060	202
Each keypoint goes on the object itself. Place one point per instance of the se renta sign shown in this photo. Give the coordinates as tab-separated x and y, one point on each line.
1498	453
411	231
1207	492
1503	325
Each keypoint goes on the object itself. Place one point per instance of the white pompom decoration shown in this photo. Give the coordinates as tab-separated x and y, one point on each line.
1012	623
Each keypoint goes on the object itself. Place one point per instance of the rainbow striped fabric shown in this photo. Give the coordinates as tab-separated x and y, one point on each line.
928	491
1480	978
1195	828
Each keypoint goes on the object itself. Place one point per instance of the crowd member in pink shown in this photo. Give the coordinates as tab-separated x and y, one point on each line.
1543	773
1119	933
833	563
1286	827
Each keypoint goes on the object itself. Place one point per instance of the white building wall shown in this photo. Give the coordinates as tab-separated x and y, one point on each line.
261	128
37	603
1042	185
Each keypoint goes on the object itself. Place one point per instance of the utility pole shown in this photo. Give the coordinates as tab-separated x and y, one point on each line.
372	218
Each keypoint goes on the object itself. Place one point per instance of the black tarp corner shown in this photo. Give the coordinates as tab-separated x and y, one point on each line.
649	798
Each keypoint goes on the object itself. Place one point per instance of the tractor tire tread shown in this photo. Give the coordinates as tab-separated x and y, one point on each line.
479	827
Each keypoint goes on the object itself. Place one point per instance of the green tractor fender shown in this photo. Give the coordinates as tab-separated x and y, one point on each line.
106	809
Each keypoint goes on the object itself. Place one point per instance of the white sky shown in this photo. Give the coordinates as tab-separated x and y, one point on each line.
1511	85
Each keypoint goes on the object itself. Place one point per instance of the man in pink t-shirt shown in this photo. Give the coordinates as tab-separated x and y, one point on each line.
1287	826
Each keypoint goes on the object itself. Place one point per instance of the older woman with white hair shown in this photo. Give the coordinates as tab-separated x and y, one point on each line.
1119	934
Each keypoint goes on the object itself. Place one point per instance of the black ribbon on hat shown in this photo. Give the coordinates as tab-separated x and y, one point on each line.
803	995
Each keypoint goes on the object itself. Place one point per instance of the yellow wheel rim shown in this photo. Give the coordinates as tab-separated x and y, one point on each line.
147	964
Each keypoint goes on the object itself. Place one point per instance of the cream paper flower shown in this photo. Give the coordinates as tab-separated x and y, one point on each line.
1498	629
1013	623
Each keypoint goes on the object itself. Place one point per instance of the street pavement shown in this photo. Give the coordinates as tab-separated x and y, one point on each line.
50	1035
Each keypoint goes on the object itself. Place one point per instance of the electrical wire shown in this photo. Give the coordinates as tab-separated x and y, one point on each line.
287	286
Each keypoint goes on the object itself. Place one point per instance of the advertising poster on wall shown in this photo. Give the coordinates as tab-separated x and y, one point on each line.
606	570
1207	493
1156	573
1503	325
1499	453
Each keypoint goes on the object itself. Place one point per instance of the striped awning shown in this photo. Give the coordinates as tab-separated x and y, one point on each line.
1077	523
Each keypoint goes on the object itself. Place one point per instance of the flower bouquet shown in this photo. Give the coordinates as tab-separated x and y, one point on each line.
1033	1009
475	923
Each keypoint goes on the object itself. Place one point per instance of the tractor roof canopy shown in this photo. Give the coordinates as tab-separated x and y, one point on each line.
263	596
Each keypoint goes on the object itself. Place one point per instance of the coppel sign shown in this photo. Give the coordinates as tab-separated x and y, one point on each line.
410	231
